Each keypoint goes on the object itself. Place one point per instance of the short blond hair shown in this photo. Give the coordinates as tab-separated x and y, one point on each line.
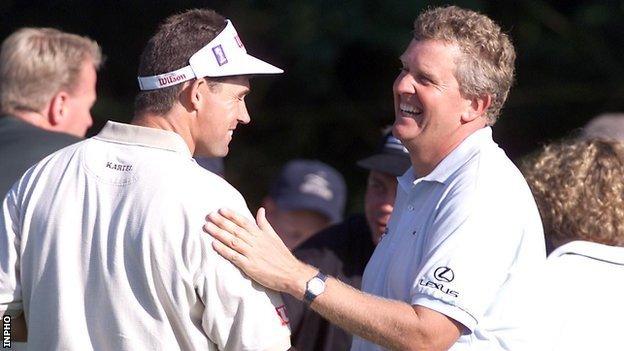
486	66
579	189
36	63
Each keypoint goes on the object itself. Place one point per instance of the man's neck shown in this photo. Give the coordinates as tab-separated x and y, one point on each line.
36	119
171	121
425	160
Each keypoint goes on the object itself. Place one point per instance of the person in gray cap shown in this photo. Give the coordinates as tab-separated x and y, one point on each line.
607	126
101	243
307	196
343	250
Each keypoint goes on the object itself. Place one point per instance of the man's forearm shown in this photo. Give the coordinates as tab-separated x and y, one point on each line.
385	322
389	323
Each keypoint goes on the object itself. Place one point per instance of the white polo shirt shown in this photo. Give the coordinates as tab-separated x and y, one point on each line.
582	297
101	245
465	241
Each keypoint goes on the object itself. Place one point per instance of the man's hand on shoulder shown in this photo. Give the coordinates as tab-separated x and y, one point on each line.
258	251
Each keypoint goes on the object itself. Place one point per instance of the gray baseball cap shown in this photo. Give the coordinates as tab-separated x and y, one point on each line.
310	185
390	157
608	126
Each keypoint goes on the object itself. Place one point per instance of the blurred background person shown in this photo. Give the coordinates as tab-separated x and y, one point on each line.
47	89
579	189
306	197
608	126
343	250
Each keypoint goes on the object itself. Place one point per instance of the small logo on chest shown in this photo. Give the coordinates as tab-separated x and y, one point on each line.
118	167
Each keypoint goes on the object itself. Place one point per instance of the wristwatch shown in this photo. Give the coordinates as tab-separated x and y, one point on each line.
314	287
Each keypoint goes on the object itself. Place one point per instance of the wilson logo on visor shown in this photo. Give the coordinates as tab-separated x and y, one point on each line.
171	79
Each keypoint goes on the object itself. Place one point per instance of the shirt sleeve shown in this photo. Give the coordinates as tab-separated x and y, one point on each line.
10	288
239	314
468	255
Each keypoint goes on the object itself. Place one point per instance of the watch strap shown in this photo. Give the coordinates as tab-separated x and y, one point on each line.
308	297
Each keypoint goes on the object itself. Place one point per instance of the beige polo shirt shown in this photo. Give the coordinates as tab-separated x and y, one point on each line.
101	245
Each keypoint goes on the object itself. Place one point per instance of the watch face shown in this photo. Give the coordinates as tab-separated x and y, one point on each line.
316	286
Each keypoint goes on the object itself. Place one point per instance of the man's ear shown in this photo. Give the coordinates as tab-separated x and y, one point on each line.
191	95
197	93
57	110
478	107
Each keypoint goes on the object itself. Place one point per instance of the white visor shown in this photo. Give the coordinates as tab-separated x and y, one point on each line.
224	56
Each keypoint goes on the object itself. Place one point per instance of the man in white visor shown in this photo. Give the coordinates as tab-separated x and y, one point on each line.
101	243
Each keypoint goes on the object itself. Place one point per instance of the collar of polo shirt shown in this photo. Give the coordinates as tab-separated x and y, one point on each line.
224	56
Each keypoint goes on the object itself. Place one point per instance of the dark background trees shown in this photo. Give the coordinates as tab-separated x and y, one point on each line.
341	58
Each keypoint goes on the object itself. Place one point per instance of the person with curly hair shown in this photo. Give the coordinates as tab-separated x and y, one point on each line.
579	191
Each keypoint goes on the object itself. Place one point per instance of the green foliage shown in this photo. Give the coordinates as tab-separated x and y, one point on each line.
340	59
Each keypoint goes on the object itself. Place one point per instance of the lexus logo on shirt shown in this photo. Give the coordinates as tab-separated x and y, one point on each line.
441	274
444	274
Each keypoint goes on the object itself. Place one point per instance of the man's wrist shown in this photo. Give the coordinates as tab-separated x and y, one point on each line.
297	287
315	287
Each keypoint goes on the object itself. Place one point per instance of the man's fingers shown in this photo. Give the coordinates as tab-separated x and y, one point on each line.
239	220
263	222
226	238
236	258
229	226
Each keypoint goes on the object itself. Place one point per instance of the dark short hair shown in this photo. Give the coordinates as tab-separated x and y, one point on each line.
177	39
